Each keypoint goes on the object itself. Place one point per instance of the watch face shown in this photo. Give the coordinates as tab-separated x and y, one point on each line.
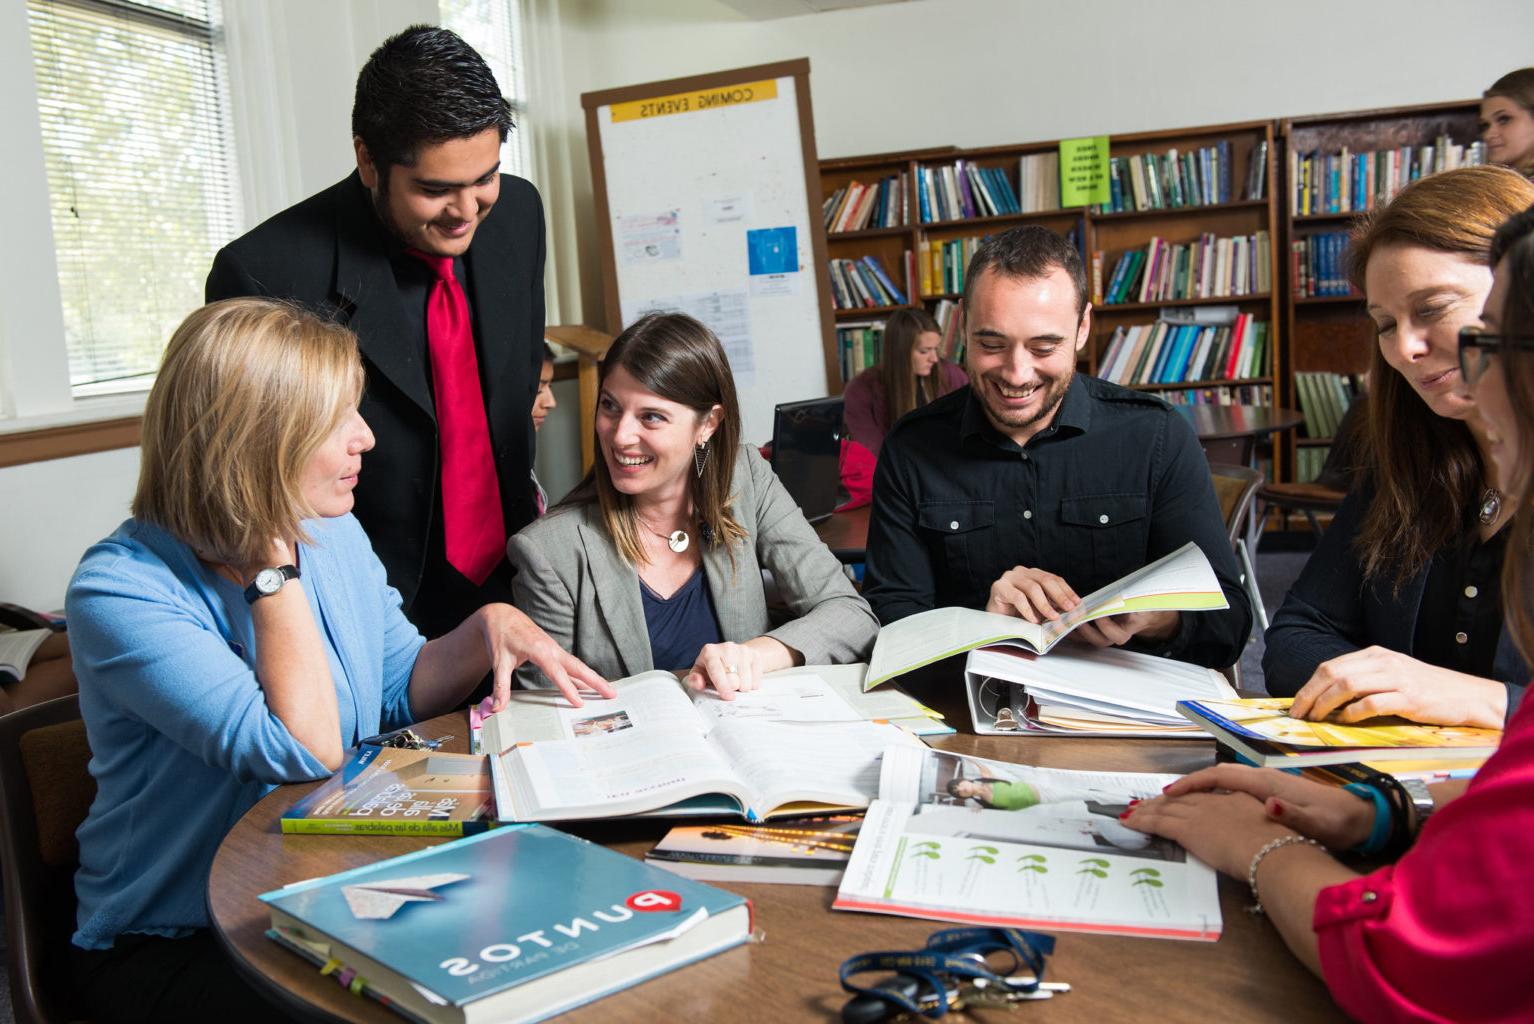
269	581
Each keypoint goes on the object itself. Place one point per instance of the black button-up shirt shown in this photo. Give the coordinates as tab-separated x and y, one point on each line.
1117	481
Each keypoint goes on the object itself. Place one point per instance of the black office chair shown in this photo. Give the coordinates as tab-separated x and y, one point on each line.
45	792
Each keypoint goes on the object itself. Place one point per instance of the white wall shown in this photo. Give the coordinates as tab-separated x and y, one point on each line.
899	76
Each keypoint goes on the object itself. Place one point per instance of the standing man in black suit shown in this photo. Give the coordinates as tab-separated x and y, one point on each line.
435	259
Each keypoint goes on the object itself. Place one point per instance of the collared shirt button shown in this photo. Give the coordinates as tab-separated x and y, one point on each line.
1369	896
1472	591
954	525
1025	456
1103	519
1462	637
1027	513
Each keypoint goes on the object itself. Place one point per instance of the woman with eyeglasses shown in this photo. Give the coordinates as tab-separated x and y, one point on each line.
1397	611
1444	932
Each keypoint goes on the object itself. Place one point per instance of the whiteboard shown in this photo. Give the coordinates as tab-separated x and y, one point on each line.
707	212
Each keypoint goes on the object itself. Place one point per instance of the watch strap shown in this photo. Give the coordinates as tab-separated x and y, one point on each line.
289	572
1421	799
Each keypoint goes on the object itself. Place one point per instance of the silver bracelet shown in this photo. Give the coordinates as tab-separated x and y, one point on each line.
1269	847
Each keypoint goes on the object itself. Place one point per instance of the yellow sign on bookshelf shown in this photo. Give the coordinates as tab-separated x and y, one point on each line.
699	99
1084	171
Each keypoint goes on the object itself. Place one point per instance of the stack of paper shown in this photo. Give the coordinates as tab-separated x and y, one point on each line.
1085	691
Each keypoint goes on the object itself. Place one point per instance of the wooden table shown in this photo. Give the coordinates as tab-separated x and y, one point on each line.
1248	975
1229	433
845	533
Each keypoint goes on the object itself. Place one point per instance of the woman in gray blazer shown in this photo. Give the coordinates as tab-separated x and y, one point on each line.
656	559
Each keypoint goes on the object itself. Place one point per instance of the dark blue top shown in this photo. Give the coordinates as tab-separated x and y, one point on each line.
681	624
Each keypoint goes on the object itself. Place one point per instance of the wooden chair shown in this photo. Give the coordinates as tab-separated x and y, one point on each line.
1236	487
45	792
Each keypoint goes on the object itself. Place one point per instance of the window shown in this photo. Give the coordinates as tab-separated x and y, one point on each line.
494	28
141	180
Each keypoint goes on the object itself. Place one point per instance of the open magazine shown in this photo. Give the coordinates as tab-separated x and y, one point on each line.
1261	731
1180	581
792	747
958	838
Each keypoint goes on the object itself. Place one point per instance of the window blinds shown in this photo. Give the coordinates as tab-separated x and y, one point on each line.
140	173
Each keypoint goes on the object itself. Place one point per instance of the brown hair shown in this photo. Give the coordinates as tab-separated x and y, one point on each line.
1512	253
680	360
1426	469
248	390
903	390
1028	251
1517	86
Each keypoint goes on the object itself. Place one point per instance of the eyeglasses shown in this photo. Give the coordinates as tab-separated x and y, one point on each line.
1484	343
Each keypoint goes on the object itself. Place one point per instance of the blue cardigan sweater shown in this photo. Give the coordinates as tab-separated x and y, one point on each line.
182	741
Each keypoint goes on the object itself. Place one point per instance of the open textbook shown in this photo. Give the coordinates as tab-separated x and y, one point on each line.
1261	731
1180	581
1084	691
958	838
794	746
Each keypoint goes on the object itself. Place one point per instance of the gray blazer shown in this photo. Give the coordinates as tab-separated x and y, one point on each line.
572	582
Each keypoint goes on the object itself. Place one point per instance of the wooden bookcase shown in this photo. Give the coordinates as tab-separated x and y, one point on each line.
1333	334
1112	234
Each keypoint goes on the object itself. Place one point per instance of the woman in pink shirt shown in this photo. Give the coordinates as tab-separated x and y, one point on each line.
910	373
1447	931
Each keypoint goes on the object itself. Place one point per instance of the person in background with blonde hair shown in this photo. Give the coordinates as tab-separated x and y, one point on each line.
910	373
1396	613
237	633
655	561
1507	121
1444	932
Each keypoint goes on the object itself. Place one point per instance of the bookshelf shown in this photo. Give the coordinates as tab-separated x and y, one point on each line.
1330	333
1096	231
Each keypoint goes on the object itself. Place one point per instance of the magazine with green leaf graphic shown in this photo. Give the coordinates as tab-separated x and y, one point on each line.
975	841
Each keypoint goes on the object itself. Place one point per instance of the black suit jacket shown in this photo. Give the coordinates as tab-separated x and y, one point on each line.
328	254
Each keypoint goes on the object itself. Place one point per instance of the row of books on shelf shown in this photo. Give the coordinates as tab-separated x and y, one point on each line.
857	207
1324	399
964	190
1171	180
1308	462
1320	265
1209	267
1224	394
1346	181
1172	353
858	346
863	284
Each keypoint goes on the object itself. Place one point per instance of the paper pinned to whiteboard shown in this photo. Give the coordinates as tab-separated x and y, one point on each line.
726	313
650	237
731	209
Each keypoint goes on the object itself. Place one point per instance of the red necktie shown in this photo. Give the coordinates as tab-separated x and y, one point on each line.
472	523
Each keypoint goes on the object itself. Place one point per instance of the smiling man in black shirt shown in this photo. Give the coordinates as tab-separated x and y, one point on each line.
1035	485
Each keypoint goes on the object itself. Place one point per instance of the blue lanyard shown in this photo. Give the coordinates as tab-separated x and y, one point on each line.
950	972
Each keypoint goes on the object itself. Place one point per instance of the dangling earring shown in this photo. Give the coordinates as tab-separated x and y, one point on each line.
700	457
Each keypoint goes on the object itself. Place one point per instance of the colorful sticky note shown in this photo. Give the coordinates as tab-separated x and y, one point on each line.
1084	171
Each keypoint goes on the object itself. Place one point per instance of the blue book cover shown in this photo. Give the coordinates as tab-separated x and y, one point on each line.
1158	371
535	919
884	279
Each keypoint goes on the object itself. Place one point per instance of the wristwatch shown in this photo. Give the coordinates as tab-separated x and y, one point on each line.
269	581
1421	799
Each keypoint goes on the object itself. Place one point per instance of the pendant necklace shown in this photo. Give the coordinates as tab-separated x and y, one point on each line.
1491	506
677	540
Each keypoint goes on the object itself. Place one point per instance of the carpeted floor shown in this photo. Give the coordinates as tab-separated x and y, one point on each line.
1276	571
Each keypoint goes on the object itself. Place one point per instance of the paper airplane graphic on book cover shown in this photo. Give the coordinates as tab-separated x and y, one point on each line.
377	901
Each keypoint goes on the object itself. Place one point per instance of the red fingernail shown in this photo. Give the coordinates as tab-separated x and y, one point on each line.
1168	786
1278	807
1133	802
1125	815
